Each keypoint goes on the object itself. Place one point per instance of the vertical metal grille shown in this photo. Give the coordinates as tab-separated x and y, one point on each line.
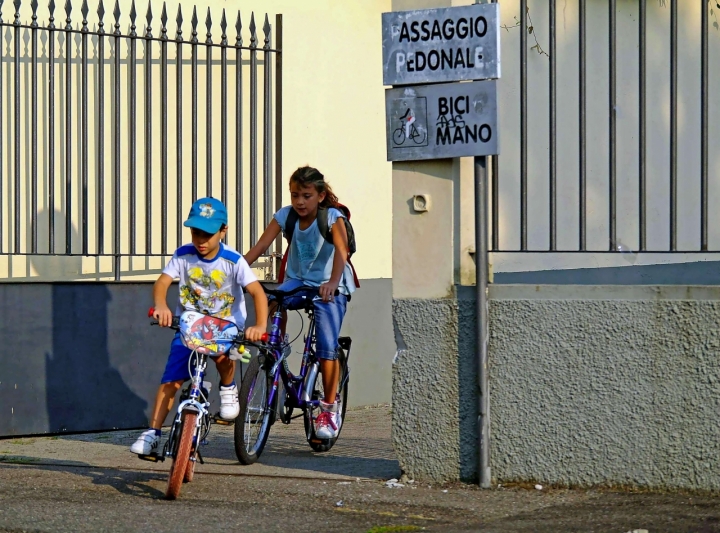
138	134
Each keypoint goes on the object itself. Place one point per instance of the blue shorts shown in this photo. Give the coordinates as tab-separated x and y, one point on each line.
328	317
176	368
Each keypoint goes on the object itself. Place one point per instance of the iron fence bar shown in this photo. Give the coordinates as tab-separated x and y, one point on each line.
101	132
239	133
68	132
553	133
194	66
208	107
612	126
278	129
34	149
223	111
583	174
253	131
673	125
267	127
148	133
51	132
18	143
523	125
2	158
179	124
84	131
132	110
642	190
163	129
704	90
116	141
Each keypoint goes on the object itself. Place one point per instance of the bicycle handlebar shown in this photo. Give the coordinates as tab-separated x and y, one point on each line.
285	294
175	324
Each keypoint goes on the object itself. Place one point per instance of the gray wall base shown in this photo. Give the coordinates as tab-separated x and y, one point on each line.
589	386
82	356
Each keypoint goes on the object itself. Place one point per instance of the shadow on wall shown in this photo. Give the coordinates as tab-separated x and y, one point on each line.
83	391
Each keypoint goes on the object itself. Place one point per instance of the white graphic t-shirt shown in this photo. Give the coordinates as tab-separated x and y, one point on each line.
211	286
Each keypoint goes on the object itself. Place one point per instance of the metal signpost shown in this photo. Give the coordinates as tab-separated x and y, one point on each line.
444	120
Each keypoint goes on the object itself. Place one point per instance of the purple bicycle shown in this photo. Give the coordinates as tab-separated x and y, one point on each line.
270	391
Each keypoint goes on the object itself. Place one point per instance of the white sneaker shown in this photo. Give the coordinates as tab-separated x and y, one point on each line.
146	444
326	424
229	404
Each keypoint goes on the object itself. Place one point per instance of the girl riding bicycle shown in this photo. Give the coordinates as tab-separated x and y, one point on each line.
322	266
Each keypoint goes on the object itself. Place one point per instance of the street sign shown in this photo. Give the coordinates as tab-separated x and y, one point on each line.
440	45
439	121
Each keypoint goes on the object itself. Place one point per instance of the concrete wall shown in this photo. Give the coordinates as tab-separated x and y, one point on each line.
590	385
81	356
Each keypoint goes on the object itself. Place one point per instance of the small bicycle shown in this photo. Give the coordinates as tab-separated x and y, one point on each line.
207	337
262	400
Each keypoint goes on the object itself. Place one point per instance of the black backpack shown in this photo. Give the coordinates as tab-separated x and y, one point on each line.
322	222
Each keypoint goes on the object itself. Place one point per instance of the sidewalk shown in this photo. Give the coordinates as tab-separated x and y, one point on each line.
364	450
93	483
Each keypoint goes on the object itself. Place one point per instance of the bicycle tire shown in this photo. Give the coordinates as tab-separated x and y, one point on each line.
248	454
399	134
323	445
189	470
182	454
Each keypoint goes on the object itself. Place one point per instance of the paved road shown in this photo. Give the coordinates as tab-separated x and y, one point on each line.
91	483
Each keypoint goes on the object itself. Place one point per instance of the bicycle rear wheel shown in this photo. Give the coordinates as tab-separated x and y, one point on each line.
252	426
323	445
181	456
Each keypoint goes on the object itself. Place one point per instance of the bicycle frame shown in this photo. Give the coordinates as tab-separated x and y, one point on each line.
295	386
194	403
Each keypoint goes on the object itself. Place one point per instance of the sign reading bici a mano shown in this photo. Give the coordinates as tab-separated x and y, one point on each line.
440	121
440	45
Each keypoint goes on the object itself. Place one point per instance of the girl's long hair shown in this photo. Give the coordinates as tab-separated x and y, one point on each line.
306	176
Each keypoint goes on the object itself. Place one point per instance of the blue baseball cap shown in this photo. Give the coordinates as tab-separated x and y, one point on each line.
208	215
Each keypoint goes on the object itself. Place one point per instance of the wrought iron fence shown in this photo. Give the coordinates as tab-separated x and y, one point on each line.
91	175
615	245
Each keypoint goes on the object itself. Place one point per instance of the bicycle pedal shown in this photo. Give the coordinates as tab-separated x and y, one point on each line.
153	457
222	421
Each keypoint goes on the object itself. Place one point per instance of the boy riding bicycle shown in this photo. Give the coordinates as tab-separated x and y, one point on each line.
212	276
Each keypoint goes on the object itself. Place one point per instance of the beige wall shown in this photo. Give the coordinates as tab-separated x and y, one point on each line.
332	117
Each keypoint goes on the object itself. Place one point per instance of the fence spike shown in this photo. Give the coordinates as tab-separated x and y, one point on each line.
84	9
253	35
68	8
16	3
266	31
223	27
208	25
133	16
116	14
51	20
194	22
101	16
148	17
1	4
238	27
179	21
163	21
34	6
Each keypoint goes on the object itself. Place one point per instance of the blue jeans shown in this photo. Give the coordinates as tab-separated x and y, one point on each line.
328	317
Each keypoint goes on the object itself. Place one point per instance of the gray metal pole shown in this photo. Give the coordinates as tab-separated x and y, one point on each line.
481	303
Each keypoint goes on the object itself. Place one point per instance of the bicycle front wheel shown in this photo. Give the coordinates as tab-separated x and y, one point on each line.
181	457
252	426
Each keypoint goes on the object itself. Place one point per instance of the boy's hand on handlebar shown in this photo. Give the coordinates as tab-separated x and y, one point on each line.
254	333
163	315
327	290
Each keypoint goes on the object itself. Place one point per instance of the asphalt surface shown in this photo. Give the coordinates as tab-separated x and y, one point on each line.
93	483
